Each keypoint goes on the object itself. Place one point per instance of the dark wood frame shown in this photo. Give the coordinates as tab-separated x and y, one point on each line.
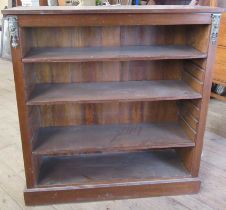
192	115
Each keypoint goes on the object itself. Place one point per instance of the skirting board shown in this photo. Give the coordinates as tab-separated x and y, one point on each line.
49	195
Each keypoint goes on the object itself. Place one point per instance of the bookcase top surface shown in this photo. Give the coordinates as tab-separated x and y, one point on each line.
42	10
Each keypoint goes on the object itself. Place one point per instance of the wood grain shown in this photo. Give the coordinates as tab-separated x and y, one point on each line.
112	42
116	167
198	36
112	191
193	157
13	180
222	36
219	76
190	108
107	113
109	9
194	83
221	98
194	70
221	51
25	127
107	138
111	54
113	19
102	71
108	36
191	133
45	94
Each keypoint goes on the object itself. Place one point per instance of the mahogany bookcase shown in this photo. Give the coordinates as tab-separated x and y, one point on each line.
112	101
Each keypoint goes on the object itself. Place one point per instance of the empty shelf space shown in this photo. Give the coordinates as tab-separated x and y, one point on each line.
107	138
115	167
122	53
45	94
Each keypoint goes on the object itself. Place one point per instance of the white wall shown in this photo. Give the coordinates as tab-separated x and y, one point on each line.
3	3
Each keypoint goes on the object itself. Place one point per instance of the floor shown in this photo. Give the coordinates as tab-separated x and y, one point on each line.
12	181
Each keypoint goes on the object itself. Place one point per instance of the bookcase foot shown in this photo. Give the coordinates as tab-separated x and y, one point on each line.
40	196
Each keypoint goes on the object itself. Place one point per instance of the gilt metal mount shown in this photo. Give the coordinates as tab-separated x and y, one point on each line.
13	30
215	27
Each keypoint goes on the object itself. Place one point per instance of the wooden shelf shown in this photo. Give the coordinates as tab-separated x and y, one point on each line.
115	167
111	91
124	53
106	138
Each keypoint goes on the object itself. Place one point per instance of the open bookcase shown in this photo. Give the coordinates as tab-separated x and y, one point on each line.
112	101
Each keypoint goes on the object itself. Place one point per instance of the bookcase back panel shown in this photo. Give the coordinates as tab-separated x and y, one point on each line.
103	71
108	36
107	113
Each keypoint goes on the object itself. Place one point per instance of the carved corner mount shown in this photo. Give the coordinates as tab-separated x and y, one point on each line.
13	30
215	27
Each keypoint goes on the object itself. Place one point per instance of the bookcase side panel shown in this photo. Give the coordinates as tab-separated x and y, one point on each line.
21	94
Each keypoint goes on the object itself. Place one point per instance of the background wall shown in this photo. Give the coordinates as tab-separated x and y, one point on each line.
3	3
